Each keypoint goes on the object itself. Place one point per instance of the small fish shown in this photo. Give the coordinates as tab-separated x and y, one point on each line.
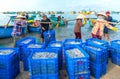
5	52
44	55
34	46
26	41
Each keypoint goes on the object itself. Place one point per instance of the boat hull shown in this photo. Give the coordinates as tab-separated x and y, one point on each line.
6	33
33	29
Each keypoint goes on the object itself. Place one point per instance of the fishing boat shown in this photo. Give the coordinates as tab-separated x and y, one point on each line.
54	21
72	12
51	12
7	27
5	31
32	28
59	12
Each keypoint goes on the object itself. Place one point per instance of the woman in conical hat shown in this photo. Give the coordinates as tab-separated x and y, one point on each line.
100	24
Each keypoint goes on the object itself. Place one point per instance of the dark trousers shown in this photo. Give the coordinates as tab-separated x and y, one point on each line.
78	35
96	36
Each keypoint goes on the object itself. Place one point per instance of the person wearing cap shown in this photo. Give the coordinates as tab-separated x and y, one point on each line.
19	24
100	24
44	26
78	25
109	19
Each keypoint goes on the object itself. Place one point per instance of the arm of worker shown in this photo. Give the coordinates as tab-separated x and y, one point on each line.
111	27
84	22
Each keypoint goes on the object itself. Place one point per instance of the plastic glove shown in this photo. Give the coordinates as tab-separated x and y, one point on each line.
93	21
115	29
57	25
30	21
85	21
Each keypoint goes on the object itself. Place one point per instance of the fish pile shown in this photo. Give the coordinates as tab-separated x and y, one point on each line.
75	53
26	41
34	46
5	52
96	42
118	42
73	42
94	48
55	45
44	55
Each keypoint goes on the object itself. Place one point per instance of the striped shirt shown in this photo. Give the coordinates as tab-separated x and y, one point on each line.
18	25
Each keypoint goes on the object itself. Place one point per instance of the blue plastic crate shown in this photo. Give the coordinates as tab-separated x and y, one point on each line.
98	70
27	52
22	42
96	42
80	76
45	76
76	65
115	44
97	54
49	36
10	73
72	42
59	47
60	56
115	58
43	66
6	61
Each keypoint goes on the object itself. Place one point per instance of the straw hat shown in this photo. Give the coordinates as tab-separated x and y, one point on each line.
20	16
80	16
37	19
101	13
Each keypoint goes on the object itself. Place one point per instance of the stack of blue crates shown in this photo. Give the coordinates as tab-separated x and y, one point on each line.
98	57
49	36
58	45
28	51
9	63
43	64
97	42
115	52
77	63
23	42
72	42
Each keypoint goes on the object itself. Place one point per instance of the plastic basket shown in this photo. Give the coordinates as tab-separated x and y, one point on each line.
45	76
115	44
43	66
115	58
49	36
28	51
80	76
72	42
97	54
21	43
60	51
6	61
97	70
76	65
94	42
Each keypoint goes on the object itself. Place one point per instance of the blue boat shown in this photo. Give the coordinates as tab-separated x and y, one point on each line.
6	32
33	29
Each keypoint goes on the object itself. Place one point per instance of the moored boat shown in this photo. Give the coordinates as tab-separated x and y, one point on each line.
5	32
